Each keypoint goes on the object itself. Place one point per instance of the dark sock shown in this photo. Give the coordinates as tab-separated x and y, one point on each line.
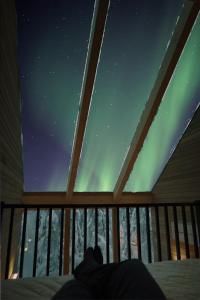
98	255
87	265
89	254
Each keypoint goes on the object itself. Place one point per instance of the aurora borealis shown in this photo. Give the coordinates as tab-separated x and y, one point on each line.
131	54
52	47
179	103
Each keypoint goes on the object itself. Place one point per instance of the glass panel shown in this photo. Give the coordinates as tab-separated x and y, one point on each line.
135	41
175	112
52	46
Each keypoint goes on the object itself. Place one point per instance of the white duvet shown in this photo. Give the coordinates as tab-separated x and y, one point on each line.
179	280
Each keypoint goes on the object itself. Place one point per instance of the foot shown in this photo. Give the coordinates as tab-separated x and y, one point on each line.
89	254
98	255
89	263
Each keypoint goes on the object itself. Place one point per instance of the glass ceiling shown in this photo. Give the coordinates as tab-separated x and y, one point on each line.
52	46
136	36
175	112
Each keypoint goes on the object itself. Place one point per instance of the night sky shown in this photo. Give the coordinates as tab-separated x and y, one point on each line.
52	47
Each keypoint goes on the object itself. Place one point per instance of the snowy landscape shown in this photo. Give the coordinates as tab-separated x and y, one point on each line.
79	237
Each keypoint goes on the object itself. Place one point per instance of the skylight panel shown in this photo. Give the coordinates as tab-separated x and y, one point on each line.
179	103
135	41
52	47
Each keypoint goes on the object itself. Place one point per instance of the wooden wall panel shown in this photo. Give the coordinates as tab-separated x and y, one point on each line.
180	180
11	165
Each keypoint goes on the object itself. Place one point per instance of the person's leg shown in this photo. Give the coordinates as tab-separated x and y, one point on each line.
73	290
131	280
92	274
79	289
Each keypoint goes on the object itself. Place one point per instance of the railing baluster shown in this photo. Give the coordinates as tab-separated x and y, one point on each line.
36	242
148	234
66	242
128	232
118	236
107	236
176	233
167	233
117	232
197	211
9	244
73	237
23	244
96	226
61	241
49	242
138	233
85	229
158	233
2	208
187	250
194	232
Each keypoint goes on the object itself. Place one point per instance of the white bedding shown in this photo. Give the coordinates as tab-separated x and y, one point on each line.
179	280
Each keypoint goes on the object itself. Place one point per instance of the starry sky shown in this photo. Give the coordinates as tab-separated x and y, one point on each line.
52	47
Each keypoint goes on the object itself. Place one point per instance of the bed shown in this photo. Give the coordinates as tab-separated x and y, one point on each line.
177	279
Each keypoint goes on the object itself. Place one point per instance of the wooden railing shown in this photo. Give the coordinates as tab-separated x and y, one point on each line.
170	231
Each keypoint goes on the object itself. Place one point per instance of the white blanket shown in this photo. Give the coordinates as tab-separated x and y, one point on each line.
179	280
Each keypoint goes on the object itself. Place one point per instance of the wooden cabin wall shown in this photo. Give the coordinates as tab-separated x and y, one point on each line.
11	165
180	180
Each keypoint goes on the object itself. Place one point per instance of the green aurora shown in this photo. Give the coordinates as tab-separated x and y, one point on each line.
179	103
116	110
53	42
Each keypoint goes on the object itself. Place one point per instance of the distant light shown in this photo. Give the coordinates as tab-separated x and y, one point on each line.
26	249
30	240
14	276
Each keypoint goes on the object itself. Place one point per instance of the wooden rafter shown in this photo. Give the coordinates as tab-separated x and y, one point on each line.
94	48
176	45
84	198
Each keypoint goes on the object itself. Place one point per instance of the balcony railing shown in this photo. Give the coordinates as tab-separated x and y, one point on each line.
150	232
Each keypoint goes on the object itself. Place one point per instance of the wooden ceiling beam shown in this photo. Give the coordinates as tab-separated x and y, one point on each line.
182	30
94	49
85	198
